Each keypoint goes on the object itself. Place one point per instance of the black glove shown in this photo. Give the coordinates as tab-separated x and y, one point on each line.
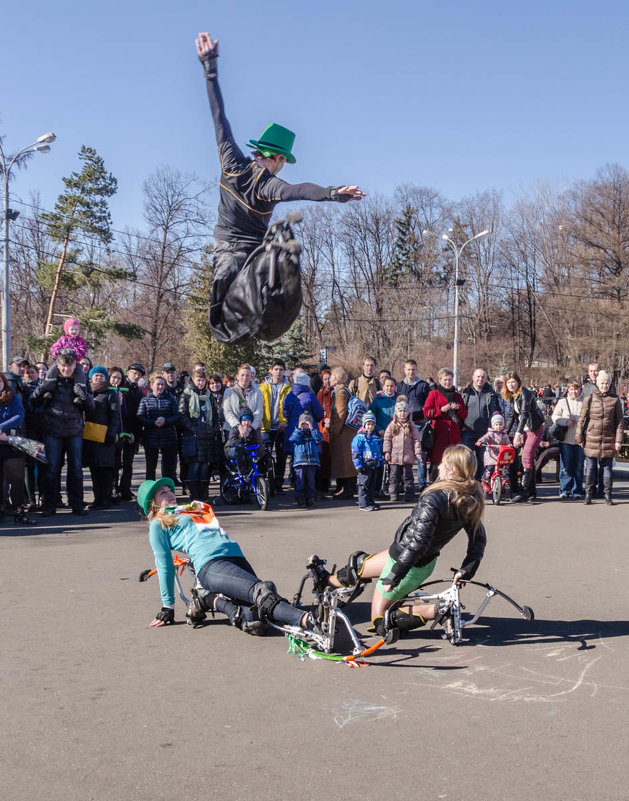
166	615
80	390
209	61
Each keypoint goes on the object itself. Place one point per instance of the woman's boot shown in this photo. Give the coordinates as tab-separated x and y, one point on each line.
607	486
589	488
523	495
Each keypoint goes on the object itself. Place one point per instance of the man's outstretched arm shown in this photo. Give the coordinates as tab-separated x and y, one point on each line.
207	50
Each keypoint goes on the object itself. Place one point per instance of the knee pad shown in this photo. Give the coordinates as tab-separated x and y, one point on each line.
202	601
266	598
349	575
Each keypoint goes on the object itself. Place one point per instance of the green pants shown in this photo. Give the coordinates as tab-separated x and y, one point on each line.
415	577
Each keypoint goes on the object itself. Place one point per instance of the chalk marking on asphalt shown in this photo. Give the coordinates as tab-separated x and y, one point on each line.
353	711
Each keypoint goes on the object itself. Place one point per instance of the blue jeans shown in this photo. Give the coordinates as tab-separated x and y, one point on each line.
469	438
235	578
367	478
305	482
571	469
55	449
604	466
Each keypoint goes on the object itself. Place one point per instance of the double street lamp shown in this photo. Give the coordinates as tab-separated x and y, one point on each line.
457	283
42	145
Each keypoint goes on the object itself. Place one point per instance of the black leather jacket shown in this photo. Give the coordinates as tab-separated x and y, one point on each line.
529	415
430	526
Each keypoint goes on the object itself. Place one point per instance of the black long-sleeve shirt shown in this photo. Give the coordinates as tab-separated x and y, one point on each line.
249	192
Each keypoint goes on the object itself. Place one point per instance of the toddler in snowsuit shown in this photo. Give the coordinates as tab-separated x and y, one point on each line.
493	439
367	458
402	448
305	439
71	340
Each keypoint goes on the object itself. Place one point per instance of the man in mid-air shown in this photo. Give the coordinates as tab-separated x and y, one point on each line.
249	191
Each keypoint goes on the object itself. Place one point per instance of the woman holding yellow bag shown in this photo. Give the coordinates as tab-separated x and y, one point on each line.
102	426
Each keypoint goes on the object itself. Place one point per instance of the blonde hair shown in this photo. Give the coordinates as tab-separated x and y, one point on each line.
157	513
443	372
465	493
154	376
340	375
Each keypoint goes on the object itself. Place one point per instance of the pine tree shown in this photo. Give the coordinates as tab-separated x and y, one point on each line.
405	248
291	347
80	222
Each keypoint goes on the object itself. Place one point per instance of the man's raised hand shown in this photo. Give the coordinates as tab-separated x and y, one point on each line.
206	48
353	191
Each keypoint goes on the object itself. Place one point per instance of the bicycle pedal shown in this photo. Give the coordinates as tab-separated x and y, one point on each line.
393	635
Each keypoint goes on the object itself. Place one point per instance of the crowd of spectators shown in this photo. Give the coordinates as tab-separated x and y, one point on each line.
98	418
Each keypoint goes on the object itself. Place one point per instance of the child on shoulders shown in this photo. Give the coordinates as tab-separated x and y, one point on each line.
71	340
367	458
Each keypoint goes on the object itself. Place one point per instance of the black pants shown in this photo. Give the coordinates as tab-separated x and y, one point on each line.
169	462
399	473
274	438
229	259
128	452
12	470
103	484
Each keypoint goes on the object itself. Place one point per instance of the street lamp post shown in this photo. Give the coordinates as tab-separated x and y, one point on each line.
42	145
457	258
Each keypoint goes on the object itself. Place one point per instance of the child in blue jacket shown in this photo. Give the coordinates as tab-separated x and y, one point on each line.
305	438
367	458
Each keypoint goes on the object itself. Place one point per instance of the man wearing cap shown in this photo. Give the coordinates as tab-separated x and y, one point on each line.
249	191
176	386
15	378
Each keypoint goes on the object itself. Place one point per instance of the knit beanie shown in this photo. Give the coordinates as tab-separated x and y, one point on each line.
246	414
70	321
401	404
369	417
497	418
306	417
98	368
602	376
302	378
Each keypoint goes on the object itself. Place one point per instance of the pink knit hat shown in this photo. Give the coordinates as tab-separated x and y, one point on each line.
70	321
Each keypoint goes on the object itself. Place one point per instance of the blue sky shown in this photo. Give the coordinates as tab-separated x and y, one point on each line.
452	94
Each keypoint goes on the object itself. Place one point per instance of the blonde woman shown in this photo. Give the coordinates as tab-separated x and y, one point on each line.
454	502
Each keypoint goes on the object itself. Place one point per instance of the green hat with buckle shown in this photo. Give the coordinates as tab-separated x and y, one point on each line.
275	139
147	490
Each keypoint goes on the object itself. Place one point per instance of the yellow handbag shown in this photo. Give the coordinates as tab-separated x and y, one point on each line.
94	432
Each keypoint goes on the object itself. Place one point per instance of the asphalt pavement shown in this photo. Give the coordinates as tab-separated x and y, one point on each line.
97	705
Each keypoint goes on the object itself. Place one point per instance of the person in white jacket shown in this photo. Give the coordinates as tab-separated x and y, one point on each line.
566	414
242	394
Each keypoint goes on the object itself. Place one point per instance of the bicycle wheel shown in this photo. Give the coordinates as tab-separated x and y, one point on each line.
262	492
496	489
229	493
270	474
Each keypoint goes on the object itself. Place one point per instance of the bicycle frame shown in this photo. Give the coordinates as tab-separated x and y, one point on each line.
245	483
451	597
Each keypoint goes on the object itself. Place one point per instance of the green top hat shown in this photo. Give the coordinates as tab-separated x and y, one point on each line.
275	139
147	490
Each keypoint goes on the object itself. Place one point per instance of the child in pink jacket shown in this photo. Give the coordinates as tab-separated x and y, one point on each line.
71	340
401	449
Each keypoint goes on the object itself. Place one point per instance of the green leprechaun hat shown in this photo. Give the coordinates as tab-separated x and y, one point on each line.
275	139
147	490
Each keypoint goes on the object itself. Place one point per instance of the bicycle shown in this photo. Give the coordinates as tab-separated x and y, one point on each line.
243	479
450	607
499	483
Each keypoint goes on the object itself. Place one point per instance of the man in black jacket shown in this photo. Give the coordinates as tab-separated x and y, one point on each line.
481	402
131	425
64	395
249	191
